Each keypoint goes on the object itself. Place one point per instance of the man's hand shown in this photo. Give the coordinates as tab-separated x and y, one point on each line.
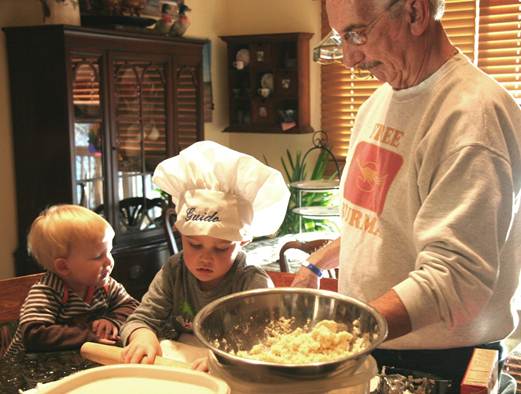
305	278
324	258
143	347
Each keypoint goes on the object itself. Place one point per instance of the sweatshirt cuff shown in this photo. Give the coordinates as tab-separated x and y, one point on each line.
129	328
419	305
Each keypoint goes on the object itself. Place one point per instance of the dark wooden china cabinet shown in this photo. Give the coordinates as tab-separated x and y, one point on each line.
93	112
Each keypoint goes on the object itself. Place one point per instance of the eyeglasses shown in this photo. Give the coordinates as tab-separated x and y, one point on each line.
329	50
359	37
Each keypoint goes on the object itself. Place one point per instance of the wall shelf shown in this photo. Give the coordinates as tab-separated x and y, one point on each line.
268	78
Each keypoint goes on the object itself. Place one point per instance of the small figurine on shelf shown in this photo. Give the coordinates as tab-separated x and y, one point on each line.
132	7
61	12
164	24
288	117
182	22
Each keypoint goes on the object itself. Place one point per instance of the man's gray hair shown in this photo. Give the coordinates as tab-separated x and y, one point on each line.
437	8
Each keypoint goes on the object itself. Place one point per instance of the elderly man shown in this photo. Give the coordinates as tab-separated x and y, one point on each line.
430	192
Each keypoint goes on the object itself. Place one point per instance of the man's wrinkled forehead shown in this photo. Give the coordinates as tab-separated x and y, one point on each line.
344	15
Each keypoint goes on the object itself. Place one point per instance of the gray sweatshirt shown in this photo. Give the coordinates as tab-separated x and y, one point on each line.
431	192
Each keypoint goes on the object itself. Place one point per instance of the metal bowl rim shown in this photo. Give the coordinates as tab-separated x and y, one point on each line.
382	324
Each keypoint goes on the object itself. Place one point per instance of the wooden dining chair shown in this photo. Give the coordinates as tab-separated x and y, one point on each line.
308	247
284	279
136	212
12	295
169	218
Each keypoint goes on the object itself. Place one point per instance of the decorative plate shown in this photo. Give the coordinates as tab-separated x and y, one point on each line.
267	81
316	184
243	55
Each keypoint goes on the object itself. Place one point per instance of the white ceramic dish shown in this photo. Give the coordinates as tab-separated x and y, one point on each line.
267	81
136	379
243	55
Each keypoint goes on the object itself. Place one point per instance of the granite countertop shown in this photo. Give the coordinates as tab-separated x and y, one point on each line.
25	371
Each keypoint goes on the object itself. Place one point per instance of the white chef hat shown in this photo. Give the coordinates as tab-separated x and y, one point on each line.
223	193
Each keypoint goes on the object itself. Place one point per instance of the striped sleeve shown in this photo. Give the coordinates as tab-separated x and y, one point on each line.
121	304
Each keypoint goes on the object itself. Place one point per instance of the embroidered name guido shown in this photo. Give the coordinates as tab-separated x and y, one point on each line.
193	215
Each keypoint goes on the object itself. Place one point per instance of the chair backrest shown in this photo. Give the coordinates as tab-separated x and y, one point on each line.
135	212
12	295
284	279
308	247
169	218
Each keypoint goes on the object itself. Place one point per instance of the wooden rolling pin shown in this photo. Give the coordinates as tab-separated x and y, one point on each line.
107	354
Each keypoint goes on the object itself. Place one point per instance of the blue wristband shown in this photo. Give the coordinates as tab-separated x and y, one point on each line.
313	268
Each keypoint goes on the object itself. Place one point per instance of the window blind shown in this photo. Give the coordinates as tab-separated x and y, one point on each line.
343	93
186	104
140	114
500	42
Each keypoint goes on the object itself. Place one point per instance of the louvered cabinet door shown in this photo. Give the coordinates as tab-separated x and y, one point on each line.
139	133
187	115
89	143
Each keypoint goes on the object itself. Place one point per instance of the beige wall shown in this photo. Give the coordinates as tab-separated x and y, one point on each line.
210	19
12	12
277	16
206	17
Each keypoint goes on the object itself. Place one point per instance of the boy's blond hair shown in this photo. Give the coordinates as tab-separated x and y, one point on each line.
59	227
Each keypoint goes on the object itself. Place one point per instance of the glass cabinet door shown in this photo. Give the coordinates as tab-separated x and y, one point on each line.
140	104
88	133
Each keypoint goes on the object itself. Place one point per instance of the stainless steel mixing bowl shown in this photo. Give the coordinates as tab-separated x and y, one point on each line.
238	321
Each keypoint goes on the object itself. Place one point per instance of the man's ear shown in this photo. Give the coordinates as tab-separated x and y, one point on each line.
418	15
61	267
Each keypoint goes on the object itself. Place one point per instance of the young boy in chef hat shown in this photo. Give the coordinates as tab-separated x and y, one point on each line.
223	199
